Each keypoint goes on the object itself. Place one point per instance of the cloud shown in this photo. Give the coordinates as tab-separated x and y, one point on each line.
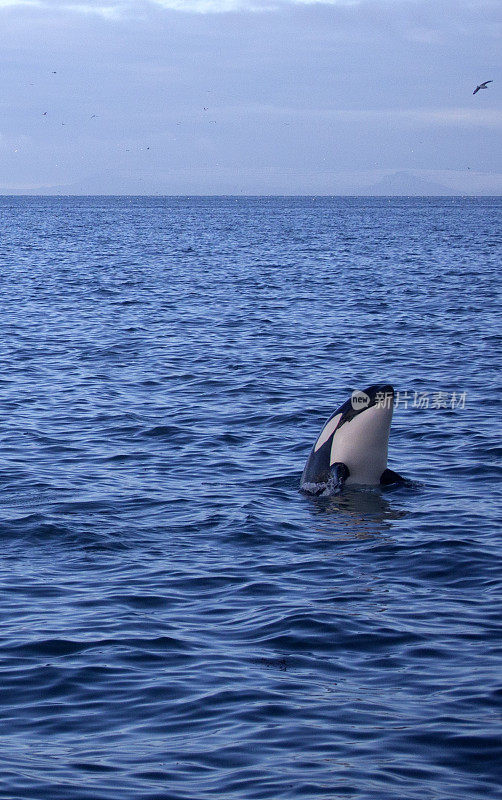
488	118
214	6
113	9
116	8
422	117
108	12
225	6
444	117
11	3
110	9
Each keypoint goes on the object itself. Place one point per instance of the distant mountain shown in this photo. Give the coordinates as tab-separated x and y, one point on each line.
97	185
406	184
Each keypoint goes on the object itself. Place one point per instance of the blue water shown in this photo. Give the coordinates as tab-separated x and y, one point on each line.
177	621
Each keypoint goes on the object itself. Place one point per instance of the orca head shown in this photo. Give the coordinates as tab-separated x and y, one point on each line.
353	444
361	433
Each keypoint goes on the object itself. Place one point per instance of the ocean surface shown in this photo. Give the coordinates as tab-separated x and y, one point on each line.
179	622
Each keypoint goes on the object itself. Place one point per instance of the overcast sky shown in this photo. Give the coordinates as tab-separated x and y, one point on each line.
249	96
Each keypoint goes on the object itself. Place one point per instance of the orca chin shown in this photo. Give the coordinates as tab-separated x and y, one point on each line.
352	447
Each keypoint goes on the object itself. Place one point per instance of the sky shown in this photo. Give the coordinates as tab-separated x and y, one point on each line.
250	97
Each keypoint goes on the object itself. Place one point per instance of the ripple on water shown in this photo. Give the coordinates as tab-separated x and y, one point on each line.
177	619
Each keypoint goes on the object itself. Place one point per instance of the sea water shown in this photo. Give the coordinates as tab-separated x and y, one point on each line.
179	622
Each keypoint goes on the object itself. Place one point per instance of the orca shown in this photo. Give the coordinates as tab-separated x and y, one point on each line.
353	445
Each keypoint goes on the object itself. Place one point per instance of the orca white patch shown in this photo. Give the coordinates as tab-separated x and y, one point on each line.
327	431
362	443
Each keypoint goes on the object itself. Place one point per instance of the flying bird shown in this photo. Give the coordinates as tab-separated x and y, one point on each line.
483	85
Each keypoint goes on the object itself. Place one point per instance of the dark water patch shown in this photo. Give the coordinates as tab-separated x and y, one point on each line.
168	432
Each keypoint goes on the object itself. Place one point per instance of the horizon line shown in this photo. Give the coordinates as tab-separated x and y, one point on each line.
243	196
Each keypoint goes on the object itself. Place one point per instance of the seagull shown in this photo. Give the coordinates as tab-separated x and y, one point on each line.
483	85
